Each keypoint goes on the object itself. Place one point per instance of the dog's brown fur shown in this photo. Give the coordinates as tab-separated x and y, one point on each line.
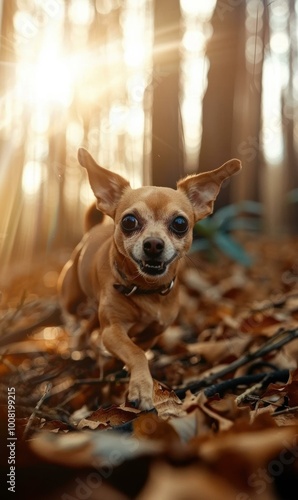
130	262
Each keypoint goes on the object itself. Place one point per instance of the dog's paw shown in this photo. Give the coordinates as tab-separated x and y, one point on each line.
140	392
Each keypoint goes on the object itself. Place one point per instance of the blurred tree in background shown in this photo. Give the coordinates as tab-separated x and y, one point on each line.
155	90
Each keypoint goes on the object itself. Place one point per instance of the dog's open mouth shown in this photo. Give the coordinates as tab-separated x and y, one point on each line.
153	267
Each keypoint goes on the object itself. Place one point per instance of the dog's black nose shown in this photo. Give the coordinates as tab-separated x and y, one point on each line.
153	246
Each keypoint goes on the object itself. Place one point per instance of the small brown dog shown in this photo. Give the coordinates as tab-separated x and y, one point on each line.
130	265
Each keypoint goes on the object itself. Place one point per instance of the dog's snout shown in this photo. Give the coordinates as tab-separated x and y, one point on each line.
153	246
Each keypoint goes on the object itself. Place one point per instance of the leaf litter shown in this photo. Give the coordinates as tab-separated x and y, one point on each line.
225	421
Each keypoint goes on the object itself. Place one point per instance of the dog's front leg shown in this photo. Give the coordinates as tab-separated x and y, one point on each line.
117	342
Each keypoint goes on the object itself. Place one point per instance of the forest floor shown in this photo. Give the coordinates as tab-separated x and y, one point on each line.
225	422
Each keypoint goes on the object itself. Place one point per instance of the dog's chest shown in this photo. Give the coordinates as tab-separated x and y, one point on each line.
153	313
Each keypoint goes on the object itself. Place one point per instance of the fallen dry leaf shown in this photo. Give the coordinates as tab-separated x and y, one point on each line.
173	483
87	448
238	444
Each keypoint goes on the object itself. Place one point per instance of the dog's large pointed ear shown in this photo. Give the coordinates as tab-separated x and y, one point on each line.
107	186
202	189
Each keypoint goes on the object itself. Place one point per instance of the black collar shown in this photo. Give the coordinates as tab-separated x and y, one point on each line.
135	290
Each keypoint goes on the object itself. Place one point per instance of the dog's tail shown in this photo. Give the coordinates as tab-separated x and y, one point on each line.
93	217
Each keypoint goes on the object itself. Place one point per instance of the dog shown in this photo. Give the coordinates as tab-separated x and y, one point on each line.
129	264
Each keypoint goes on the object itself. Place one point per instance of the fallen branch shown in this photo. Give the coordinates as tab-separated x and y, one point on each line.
50	315
292	409
36	410
261	379
279	339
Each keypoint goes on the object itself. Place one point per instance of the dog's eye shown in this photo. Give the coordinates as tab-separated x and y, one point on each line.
129	223
179	225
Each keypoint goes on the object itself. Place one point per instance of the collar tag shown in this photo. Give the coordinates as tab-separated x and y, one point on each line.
168	289
132	291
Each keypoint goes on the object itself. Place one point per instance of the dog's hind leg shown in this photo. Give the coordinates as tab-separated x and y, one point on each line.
69	289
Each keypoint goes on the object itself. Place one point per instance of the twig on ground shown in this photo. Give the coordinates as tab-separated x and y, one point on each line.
280	338
276	302
220	388
10	316
268	378
51	316
285	410
249	391
36	409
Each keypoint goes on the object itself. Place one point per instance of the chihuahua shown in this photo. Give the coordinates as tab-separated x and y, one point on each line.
130	265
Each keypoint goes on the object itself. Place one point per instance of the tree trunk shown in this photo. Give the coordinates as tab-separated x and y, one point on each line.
167	154
226	54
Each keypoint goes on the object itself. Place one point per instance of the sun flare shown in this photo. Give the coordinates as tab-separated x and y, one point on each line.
49	81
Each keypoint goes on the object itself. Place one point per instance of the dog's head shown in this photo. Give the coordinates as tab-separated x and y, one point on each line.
153	225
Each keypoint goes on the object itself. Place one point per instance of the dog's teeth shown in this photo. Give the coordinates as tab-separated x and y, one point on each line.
153	268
